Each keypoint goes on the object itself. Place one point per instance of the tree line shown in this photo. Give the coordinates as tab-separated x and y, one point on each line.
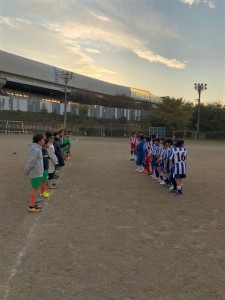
177	114
172	113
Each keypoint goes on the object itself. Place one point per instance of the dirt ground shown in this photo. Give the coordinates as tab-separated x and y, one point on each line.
109	233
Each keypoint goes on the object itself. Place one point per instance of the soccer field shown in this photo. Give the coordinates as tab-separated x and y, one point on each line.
108	232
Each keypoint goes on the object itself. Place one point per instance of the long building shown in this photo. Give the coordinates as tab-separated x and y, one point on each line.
27	85
19	73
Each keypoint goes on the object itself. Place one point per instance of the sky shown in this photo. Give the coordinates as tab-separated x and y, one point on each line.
162	46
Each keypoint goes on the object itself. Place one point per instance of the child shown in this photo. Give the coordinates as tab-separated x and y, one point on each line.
140	155
161	164
58	151
34	168
147	148
45	194
133	145
69	141
52	161
155	150
178	160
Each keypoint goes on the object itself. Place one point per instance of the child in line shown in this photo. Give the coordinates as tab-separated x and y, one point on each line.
133	146
178	160
53	161
44	193
140	154
34	168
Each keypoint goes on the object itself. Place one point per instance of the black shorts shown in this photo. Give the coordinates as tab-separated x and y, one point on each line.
180	176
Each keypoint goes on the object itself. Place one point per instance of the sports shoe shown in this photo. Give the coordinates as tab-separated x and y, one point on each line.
38	206
162	182
172	191
52	187
33	209
45	195
177	194
171	187
39	199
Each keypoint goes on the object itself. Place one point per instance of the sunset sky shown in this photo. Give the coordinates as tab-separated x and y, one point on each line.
163	46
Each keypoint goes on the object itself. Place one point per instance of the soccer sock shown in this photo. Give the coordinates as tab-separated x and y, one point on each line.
156	173
179	189
161	177
33	197
173	181
43	187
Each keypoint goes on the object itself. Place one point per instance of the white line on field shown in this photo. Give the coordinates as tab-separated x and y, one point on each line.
14	269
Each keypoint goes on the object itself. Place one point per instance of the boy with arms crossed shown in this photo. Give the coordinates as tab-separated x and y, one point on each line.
34	168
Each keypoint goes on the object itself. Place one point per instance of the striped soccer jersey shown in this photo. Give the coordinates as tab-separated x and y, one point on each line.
147	147
155	149
178	158
133	141
163	157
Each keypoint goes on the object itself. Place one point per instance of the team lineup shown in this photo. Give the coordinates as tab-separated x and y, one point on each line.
162	159
47	155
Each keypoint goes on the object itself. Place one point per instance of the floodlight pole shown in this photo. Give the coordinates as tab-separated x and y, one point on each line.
66	76
199	87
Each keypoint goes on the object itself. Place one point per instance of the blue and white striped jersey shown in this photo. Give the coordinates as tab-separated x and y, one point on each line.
155	149
178	158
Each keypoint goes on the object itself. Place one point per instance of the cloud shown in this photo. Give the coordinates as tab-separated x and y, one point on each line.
75	34
91	50
210	3
152	57
100	27
13	24
102	18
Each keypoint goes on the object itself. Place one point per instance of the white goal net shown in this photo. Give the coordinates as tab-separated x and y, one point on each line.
185	134
11	126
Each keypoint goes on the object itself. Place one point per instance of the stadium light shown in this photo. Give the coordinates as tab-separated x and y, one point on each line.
199	87
66	76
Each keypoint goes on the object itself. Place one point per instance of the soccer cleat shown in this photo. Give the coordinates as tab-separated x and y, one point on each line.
33	209
52	187
177	194
171	187
162	182
45	195
38	206
39	199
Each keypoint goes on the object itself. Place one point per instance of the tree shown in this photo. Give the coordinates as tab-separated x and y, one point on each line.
174	114
212	117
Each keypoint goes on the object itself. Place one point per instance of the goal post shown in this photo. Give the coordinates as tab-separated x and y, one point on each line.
14	127
185	134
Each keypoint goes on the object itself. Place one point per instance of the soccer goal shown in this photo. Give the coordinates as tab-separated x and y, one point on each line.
14	127
185	134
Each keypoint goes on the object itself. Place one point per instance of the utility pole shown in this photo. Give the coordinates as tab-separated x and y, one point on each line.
66	76
199	87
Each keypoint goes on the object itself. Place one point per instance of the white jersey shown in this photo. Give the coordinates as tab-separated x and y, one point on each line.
178	158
